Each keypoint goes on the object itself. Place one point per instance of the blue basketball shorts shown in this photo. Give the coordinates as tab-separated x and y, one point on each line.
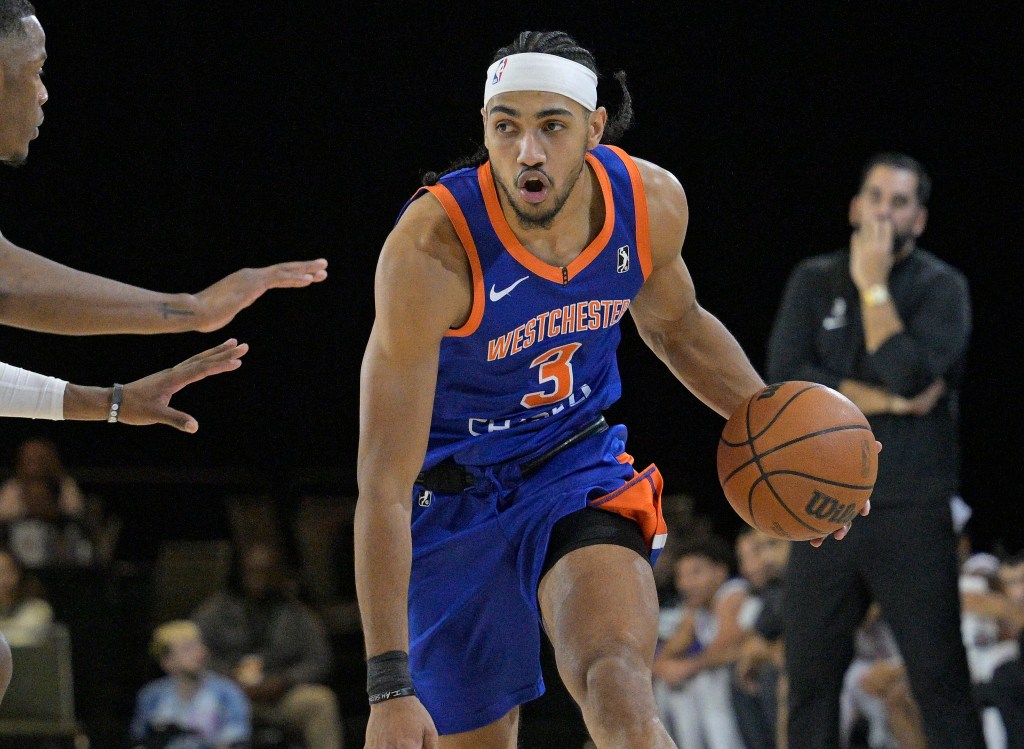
474	619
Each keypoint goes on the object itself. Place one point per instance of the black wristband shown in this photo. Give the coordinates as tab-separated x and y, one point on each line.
388	677
382	696
115	403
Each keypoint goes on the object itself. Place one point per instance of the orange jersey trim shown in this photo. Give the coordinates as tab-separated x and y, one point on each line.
643	223
526	258
461	226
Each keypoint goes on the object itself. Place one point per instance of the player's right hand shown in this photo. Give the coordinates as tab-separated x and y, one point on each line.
401	723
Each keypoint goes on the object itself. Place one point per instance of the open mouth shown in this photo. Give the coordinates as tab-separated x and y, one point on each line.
533	187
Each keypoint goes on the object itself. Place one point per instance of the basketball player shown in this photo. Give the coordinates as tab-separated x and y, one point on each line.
492	492
38	294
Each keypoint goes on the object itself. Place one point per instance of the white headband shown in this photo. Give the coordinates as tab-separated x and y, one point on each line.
537	71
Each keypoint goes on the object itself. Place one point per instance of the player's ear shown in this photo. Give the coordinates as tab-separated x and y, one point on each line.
595	127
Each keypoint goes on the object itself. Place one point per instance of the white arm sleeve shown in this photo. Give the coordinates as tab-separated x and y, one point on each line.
29	395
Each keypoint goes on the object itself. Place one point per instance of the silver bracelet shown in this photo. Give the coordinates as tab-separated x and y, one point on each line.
115	403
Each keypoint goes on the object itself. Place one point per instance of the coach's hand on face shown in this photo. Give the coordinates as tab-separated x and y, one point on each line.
871	251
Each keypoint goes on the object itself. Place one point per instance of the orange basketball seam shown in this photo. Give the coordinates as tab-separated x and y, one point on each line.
801	438
820	479
778	413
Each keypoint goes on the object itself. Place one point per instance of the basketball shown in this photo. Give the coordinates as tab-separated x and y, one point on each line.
797	460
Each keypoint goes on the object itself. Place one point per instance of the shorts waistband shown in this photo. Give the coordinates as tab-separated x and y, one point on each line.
448	477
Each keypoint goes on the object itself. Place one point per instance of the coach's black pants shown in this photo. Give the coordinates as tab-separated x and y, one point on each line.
905	559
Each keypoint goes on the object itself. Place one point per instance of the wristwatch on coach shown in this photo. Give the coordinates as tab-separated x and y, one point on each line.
874	295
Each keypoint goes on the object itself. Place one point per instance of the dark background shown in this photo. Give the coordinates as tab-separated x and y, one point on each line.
185	140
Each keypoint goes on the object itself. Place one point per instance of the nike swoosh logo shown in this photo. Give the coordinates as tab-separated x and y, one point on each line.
497	295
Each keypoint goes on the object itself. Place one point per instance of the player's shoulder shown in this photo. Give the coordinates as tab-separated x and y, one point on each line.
667	209
424	223
662	187
424	232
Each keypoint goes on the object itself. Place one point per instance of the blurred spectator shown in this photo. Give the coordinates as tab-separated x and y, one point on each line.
38	459
693	669
25	616
42	536
260	634
873	643
986	639
762	561
191	707
1005	691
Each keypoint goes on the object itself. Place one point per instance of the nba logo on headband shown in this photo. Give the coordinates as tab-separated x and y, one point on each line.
500	69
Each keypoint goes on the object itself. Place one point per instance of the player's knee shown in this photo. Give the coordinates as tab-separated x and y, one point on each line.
615	681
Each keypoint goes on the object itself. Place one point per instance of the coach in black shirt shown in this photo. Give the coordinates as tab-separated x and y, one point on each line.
887	324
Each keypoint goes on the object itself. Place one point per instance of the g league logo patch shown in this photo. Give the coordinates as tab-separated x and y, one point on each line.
623	265
424	497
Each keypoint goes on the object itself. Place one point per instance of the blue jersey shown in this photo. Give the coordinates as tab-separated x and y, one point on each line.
535	361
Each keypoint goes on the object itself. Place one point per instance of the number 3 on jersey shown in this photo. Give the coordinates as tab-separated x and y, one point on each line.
553	366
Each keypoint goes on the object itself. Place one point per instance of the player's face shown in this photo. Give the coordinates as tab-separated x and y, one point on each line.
890	194
22	93
536	142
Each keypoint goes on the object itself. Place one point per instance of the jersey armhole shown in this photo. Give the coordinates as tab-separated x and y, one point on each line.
461	226
643	227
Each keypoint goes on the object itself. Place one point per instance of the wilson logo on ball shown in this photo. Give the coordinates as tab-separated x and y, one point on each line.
824	507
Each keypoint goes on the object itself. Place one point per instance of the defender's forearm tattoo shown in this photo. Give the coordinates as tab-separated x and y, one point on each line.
168	311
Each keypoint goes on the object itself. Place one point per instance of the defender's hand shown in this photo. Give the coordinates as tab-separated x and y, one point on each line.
218	305
146	401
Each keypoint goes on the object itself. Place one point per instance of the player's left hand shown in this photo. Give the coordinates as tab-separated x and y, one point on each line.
841	533
218	304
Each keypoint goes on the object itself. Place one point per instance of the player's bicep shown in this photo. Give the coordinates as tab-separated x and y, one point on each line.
396	398
668	296
417	300
666	300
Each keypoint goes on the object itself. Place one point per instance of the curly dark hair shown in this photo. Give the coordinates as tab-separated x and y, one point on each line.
561	44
